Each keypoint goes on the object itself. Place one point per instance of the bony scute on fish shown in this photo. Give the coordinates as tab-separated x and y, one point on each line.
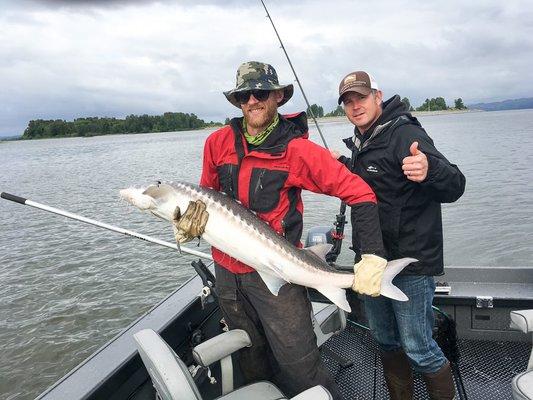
239	233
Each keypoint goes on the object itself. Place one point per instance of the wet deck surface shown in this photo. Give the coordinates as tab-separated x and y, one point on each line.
486	367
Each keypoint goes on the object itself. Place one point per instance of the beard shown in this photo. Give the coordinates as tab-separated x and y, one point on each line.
258	117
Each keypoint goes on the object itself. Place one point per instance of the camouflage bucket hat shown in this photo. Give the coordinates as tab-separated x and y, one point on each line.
257	75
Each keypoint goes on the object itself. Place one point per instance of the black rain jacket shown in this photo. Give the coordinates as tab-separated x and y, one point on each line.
409	212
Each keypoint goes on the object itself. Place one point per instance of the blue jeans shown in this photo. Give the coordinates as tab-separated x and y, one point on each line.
407	324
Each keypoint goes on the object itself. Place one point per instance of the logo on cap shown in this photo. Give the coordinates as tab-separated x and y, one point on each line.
357	81
350	78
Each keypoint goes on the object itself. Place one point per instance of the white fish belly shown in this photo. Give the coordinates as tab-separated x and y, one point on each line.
230	235
240	241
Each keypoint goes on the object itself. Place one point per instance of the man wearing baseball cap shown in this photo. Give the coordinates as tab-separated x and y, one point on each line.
263	159
395	156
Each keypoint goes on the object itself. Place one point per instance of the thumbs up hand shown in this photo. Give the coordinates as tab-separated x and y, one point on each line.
415	166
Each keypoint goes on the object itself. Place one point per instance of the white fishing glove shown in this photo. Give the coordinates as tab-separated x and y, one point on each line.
192	223
368	273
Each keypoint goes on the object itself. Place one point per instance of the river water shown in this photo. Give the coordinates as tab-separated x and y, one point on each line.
66	288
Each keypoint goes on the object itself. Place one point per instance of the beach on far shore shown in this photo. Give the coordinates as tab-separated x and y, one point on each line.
326	120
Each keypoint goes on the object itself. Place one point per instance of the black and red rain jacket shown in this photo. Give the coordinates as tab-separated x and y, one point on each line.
268	179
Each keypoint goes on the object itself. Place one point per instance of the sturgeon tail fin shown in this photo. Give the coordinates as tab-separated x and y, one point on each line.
394	267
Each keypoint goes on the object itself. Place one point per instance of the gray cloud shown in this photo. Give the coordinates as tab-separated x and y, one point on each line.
66	59
107	4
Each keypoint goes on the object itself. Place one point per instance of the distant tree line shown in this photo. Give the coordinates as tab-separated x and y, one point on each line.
338	112
429	105
315	110
436	104
93	126
318	111
407	103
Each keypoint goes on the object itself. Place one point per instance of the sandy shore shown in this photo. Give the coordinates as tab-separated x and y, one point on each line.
443	112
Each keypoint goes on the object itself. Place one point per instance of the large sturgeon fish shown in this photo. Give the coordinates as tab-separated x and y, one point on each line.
238	232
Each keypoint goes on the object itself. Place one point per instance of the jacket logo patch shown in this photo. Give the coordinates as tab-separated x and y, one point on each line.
372	169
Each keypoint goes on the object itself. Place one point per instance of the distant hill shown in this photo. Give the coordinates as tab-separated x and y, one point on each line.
515	104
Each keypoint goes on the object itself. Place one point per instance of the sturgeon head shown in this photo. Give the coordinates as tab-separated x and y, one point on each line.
163	200
241	234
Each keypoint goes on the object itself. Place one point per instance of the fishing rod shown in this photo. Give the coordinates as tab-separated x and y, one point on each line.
295	75
340	218
26	202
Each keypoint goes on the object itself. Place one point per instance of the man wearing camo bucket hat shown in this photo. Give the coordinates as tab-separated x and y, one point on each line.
254	75
264	160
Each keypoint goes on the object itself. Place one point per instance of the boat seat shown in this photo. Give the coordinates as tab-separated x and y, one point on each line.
173	381
522	385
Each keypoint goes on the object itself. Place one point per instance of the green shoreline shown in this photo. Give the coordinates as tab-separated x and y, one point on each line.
322	120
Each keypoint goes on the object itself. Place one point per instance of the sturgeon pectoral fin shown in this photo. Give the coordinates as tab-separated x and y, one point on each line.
394	267
273	283
276	271
320	250
336	295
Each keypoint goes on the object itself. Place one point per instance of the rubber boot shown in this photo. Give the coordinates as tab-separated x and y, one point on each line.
398	374
440	384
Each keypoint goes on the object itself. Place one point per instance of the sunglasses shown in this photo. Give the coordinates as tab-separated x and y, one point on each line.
260	95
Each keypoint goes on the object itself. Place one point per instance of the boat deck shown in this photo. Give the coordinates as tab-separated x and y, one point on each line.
490	353
486	367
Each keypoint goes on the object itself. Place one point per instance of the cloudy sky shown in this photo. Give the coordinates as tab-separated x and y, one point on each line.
68	59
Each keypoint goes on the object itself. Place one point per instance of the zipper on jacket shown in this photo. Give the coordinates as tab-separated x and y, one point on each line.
232	182
259	185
